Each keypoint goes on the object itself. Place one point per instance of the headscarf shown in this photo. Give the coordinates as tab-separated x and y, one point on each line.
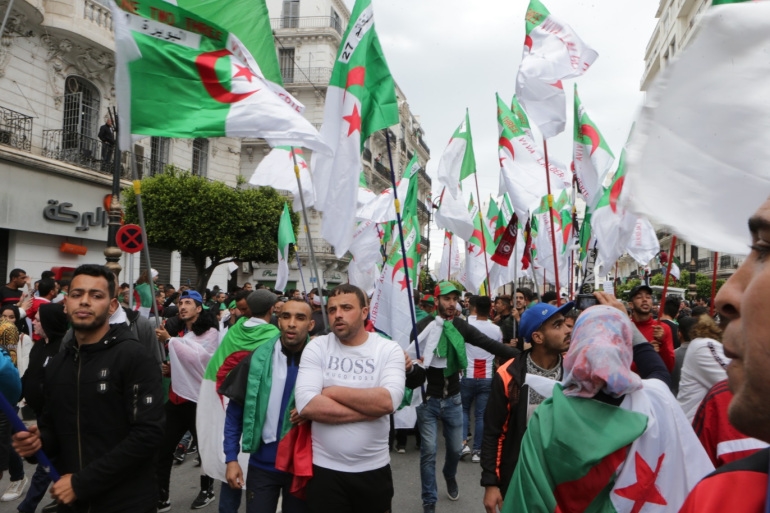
9	335
21	324
600	355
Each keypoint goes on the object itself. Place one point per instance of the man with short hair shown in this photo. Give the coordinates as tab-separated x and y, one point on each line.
10	294
46	289
670	312
549	297
512	401
656	333
349	382
505	319
268	374
477	381
102	420
442	401
523	297
242	305
247	287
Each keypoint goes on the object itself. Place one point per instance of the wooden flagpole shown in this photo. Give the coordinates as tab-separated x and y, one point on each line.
668	275
553	229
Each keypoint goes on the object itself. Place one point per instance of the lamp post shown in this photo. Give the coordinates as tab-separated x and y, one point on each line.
693	292
112	253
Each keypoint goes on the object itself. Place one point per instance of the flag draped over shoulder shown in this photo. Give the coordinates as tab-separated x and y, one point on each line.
441	347
646	459
360	100
724	171
552	52
277	171
285	241
210	85
210	416
458	161
390	311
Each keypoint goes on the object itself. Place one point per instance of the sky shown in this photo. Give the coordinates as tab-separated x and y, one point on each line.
447	55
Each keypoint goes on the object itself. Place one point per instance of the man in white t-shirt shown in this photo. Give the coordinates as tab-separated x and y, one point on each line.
349	382
477	380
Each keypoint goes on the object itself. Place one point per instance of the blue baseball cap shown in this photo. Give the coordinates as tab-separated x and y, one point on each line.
192	294
537	314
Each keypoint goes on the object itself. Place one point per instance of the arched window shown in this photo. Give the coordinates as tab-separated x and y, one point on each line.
81	107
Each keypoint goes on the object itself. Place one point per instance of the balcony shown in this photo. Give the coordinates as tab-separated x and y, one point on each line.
382	170
424	145
15	129
425	176
422	210
728	262
367	155
704	264
306	23
82	151
314	76
98	13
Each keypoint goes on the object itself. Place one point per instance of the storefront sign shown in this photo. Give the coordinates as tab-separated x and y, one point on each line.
63	213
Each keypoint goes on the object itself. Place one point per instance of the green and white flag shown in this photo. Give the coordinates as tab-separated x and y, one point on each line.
591	157
277	171
179	74
360	100
285	241
458	161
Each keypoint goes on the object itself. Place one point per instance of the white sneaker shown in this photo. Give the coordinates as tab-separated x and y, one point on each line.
14	491
476	458
466	451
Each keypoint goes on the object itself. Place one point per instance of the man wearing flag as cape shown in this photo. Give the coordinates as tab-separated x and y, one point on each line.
261	393
442	344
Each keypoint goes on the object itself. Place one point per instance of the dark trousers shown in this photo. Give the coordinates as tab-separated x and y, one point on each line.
180	418
36	491
332	491
263	488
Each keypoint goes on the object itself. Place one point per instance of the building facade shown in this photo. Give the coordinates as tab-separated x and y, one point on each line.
308	34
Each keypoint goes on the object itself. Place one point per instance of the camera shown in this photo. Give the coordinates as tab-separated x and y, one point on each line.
584	301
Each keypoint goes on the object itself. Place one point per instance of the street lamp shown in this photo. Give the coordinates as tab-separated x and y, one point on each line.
112	252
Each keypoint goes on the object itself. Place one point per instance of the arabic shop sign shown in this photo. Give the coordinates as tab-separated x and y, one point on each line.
63	213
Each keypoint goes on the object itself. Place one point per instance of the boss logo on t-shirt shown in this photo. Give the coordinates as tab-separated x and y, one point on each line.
354	369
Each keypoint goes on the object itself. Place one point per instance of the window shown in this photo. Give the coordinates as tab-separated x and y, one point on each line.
286	62
336	22
81	117
159	149
200	157
290	15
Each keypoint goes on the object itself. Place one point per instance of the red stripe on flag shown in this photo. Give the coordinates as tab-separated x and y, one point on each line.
356	76
479	369
575	496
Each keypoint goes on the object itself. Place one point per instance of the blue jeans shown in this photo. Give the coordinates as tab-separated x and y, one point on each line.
229	499
449	412
36	491
475	390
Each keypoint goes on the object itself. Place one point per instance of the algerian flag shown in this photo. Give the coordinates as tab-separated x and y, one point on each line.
364	267
360	100
441	347
714	82
478	250
499	274
390	311
542	242
452	214
522	165
382	207
285	241
644	243
189	77
646	459
591	156
458	161
277	171
210	416
450	257
552	52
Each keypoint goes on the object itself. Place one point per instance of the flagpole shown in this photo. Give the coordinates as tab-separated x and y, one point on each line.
515	276
301	276
534	274
553	229
449	260
397	206
712	306
483	229
313	263
668	275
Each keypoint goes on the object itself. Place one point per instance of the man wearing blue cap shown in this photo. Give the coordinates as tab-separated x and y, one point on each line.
440	339
512	402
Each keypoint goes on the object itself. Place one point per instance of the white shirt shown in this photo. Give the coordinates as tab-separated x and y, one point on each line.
704	366
480	361
378	362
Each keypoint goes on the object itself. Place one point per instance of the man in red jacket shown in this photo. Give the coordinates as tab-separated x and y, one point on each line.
657	333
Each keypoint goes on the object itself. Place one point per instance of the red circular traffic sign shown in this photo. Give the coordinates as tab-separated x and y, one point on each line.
129	238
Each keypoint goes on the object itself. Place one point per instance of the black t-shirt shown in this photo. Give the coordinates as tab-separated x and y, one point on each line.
9	296
674	332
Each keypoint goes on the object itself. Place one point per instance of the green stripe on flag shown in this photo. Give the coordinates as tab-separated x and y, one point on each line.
536	14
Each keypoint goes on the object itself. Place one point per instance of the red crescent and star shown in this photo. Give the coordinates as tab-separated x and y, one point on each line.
206	64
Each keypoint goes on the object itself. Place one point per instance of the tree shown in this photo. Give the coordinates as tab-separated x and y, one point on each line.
426	281
702	283
204	219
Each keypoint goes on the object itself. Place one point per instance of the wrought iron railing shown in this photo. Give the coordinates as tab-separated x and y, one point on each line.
82	151
319	248
306	22
367	155
704	264
382	170
422	210
315	76
15	129
424	174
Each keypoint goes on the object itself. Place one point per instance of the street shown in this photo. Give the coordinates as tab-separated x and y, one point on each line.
185	485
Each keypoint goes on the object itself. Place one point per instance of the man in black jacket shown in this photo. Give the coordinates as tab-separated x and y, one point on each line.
442	398
103	419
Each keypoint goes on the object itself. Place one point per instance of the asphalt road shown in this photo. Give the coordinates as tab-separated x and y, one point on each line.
185	484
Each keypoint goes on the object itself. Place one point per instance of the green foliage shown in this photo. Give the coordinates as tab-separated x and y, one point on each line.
702	282
622	288
427	283
206	219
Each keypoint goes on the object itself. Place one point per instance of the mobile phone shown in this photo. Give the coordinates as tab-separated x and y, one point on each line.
585	301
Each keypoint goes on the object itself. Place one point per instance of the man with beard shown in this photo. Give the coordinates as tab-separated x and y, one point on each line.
442	400
512	402
268	375
102	419
349	382
656	332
